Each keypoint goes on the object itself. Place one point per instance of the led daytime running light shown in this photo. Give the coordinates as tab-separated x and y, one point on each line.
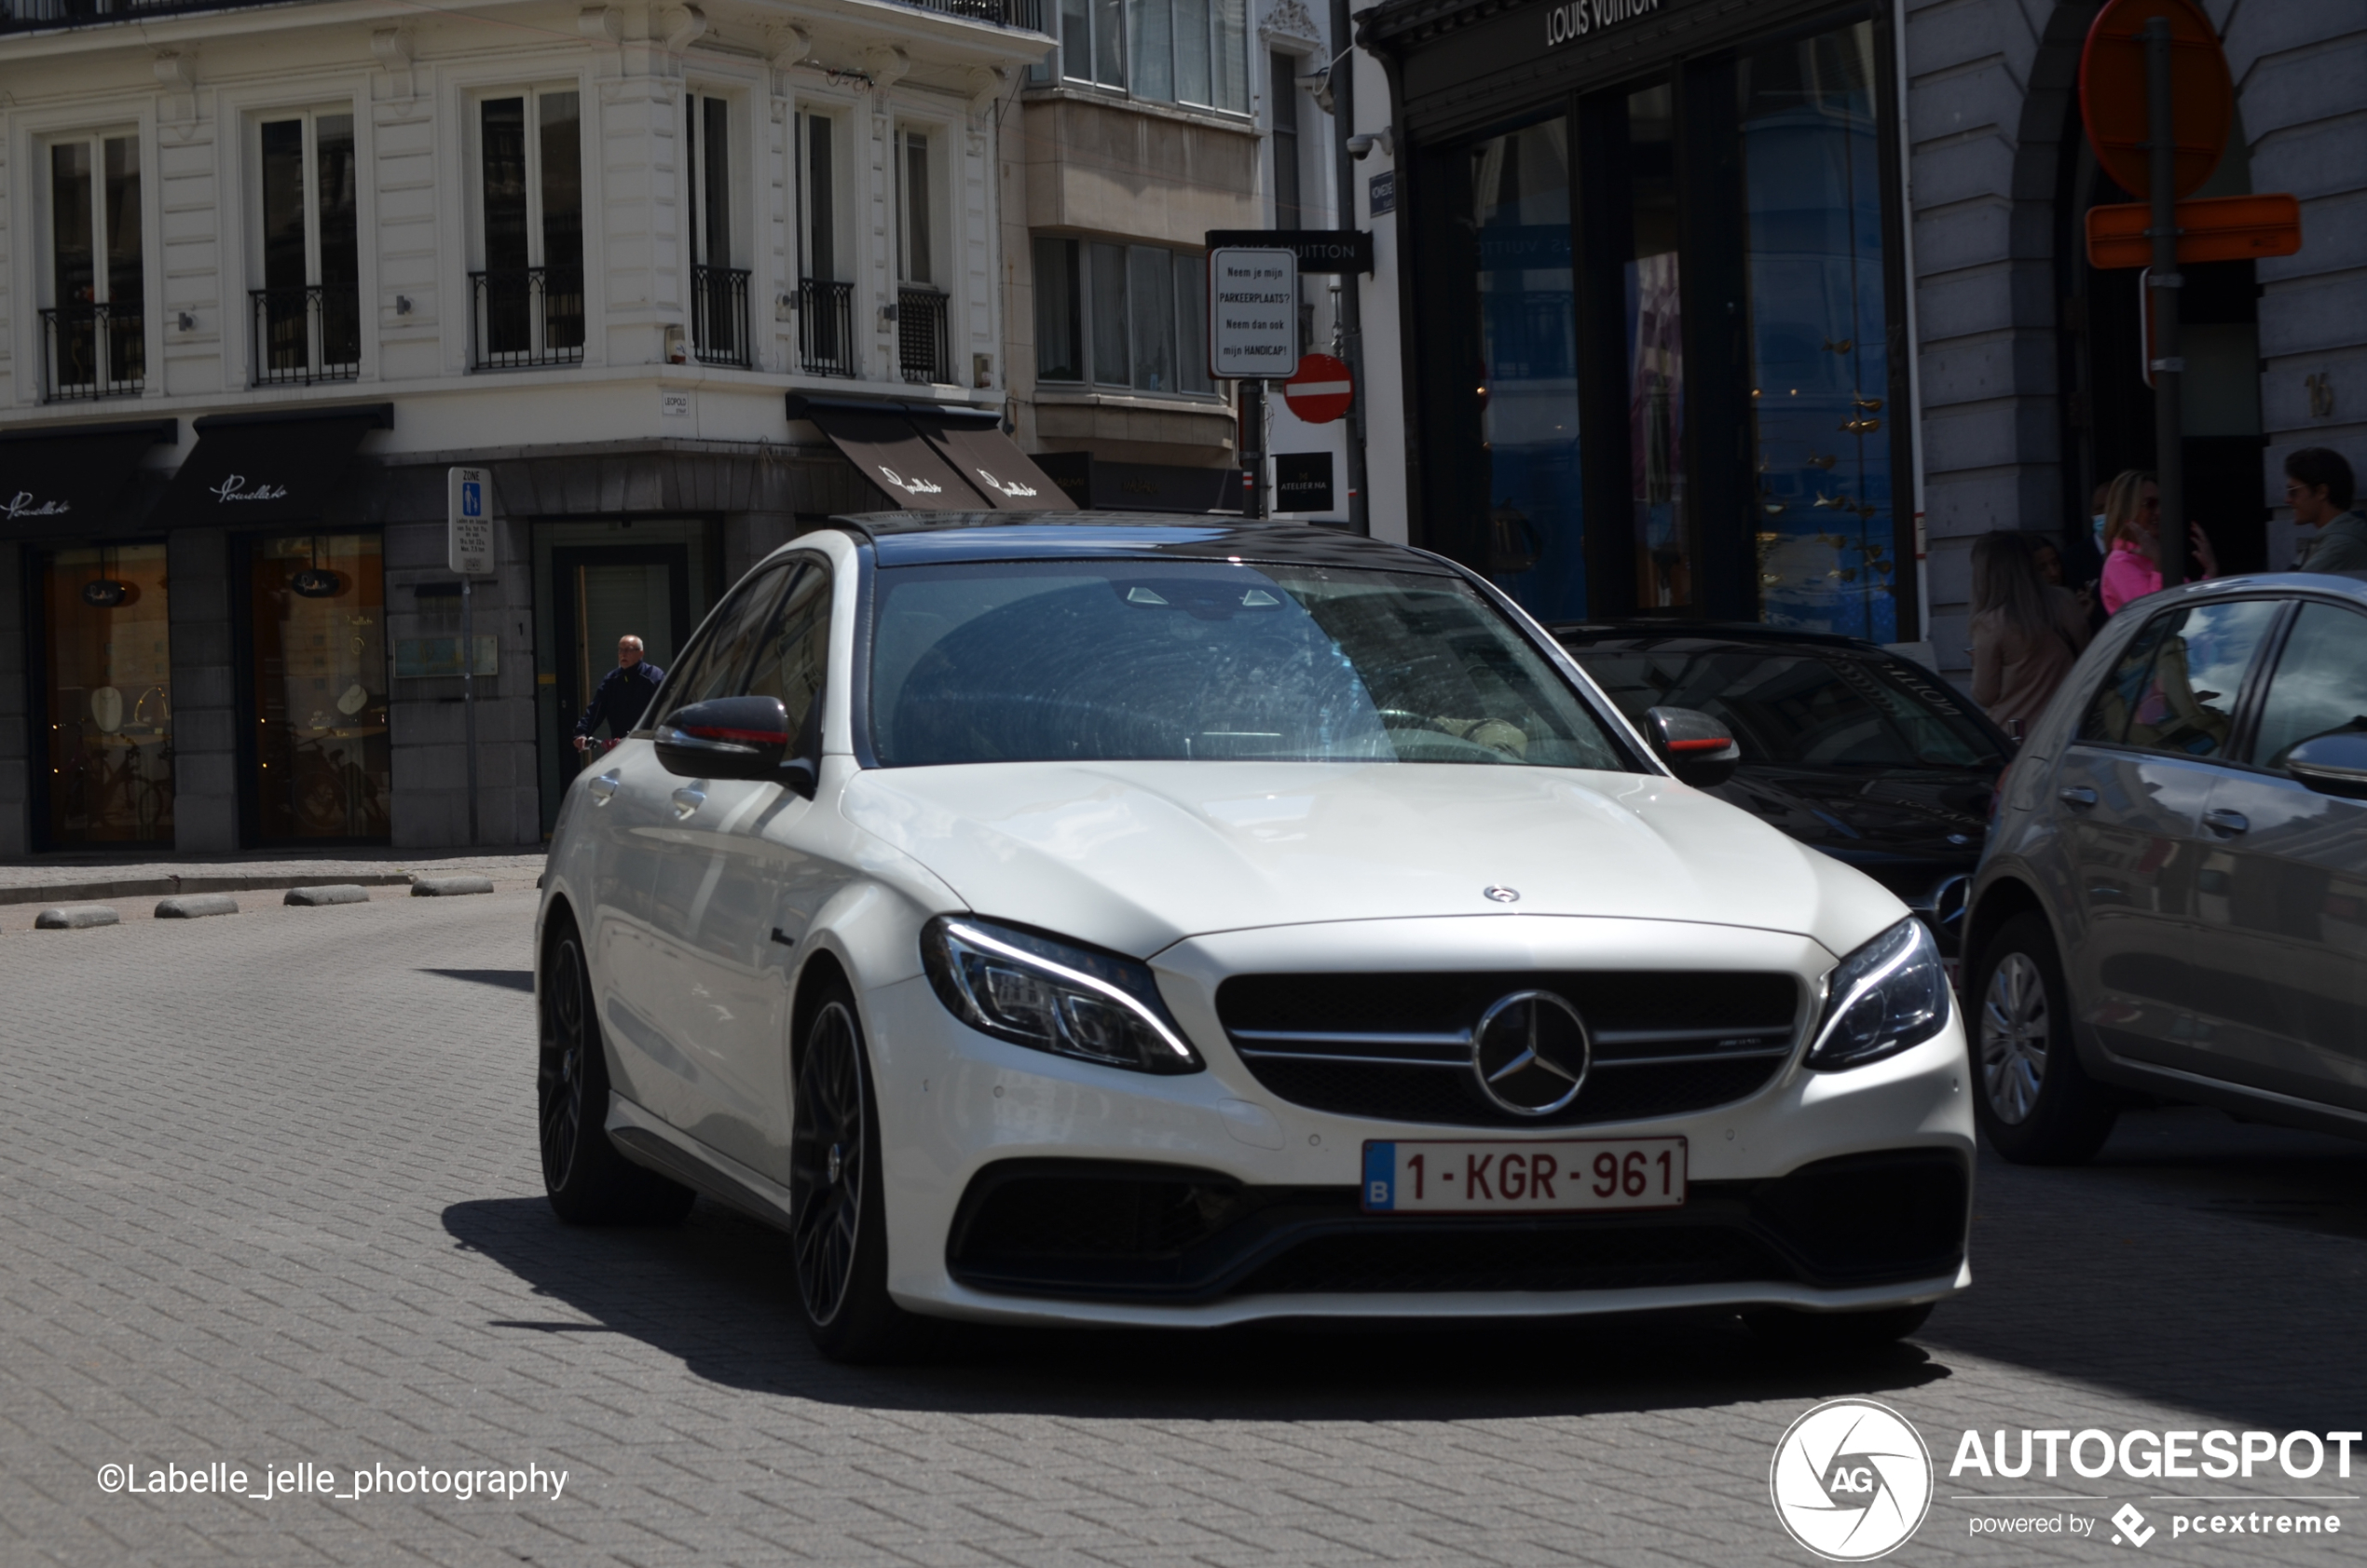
971	935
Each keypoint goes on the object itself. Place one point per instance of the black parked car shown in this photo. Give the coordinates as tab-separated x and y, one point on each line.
1866	756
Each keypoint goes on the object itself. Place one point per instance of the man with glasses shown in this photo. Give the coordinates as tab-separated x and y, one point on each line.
2319	488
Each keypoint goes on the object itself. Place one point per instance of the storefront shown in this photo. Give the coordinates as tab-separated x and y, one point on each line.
1653	312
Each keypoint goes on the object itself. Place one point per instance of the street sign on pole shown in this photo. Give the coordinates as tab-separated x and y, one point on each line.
468	549
467	541
1253	314
1320	390
2113	93
2209	229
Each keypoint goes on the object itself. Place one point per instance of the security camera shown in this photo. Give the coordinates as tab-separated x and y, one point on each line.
1364	142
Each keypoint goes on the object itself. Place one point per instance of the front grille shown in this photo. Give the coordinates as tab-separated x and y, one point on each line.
1583	1256
1397	1047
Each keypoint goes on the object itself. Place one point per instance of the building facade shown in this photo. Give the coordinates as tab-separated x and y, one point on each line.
1155	123
1766	312
683	279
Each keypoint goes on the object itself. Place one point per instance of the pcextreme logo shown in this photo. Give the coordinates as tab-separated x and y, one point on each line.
1851	1480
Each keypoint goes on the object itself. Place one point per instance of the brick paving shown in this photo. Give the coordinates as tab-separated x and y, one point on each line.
268	1195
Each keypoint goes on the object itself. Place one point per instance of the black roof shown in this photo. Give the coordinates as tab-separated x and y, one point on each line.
1654	633
913	537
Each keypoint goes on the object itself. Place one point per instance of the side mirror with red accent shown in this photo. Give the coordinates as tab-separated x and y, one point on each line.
1698	749
732	738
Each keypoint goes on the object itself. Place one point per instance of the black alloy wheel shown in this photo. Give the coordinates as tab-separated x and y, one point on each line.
2034	1102
587	1180
837	1228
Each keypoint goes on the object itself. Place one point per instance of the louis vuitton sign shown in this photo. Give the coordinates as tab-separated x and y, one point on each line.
1577	18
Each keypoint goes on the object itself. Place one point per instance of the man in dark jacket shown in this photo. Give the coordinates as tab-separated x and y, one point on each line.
624	695
2319	487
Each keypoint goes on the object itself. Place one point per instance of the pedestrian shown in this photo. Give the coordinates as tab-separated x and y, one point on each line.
2026	631
623	696
2132	526
2319	488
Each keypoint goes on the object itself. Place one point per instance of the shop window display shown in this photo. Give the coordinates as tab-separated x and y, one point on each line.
110	696
1820	364
318	623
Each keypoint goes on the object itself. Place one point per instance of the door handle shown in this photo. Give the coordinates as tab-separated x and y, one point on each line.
2224	821
2076	794
686	800
601	789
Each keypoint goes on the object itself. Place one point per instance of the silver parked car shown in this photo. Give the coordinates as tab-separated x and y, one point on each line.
2173	900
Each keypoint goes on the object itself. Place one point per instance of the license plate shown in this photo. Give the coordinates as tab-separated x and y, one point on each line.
1555	1177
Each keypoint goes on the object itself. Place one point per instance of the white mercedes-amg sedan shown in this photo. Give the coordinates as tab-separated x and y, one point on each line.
1077	919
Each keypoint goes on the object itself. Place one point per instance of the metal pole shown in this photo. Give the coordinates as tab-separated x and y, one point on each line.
1352	288
1253	445
469	697
2169	455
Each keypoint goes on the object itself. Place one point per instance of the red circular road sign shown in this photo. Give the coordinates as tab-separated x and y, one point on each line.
1320	390
2112	92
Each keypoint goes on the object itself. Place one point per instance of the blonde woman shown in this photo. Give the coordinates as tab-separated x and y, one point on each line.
2026	631
2132	526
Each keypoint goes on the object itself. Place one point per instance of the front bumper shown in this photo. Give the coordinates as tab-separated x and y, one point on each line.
1025	1188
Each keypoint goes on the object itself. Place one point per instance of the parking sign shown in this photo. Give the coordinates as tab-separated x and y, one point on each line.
468	518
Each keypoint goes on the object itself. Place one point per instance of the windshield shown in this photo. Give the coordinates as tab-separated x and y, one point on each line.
1810	709
1172	661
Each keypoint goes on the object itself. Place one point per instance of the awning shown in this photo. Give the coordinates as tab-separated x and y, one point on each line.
66	479
275	467
974	444
885	449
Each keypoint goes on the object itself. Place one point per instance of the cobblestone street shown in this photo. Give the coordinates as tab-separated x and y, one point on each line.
268	1196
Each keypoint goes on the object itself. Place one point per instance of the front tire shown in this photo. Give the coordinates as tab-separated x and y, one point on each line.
838	1228
587	1180
2034	1100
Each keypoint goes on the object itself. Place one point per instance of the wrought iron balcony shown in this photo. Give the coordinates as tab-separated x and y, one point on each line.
309	332
93	351
27	16
825	327
720	316
921	335
532	316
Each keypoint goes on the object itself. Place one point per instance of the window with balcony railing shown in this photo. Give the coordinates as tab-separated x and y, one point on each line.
719	290
93	334
921	351
526	302
825	327
825	300
307	317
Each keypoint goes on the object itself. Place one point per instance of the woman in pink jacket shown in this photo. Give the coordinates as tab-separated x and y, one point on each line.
2132	524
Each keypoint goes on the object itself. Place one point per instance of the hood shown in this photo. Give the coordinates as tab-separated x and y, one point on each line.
1135	857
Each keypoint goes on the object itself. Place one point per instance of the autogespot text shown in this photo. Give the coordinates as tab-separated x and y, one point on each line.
2140	1456
272	1484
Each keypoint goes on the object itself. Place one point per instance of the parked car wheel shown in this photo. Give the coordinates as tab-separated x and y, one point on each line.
2036	1103
837	1231
588	1182
1834	1333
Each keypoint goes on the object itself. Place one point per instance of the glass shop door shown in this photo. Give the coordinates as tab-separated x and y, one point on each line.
317	736
108	694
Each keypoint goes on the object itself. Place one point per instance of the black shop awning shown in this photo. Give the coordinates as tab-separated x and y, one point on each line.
65	480
885	449
972	439
268	468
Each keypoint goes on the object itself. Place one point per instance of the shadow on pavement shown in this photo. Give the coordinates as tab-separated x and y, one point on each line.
717	1293
508	979
2202	1262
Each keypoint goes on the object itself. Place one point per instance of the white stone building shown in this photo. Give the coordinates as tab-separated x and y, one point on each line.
266	273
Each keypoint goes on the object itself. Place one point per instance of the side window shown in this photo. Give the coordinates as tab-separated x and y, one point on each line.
792	655
717	662
2176	687
2320	684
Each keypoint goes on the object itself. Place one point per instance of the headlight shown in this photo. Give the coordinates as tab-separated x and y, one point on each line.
1050	996
1888	995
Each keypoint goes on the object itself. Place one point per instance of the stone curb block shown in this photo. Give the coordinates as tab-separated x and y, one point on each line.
449	887
76	917
333	892
196	906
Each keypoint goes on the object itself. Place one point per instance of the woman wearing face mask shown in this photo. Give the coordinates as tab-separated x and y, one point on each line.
2132	526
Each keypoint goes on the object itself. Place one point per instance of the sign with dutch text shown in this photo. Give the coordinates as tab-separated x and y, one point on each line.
1253	313
469	522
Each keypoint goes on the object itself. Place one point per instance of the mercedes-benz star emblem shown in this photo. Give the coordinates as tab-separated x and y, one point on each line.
1530	1053
1500	894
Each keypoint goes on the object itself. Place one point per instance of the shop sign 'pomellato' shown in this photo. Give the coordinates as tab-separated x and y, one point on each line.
1578	18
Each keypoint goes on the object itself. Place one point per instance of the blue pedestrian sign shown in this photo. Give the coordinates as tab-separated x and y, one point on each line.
468	515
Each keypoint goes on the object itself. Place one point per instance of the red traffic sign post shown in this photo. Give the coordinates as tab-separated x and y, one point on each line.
1320	390
2114	94
2209	229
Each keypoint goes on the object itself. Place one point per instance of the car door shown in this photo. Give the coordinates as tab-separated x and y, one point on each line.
2130	795
736	890
640	1002
2283	890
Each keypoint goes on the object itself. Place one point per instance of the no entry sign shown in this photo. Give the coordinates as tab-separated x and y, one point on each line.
1320	390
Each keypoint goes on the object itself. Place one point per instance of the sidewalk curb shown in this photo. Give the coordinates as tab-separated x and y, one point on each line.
166	887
